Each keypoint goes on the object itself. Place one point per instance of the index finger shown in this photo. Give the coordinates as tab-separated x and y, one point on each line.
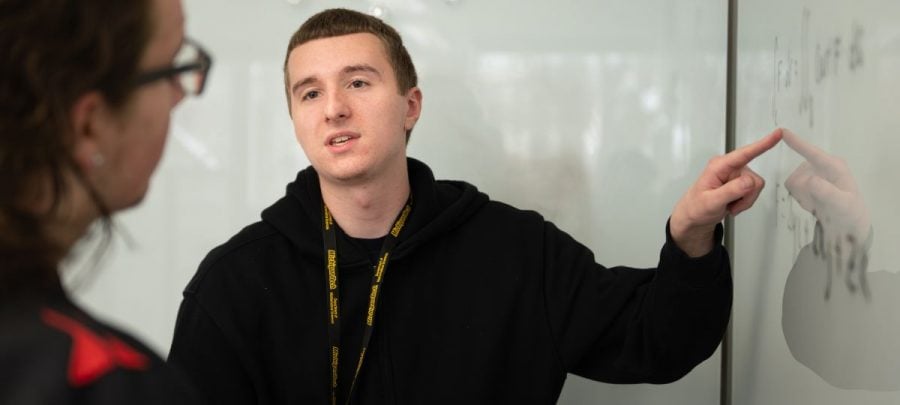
739	157
810	152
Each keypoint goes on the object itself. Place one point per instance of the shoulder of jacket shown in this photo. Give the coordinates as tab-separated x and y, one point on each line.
494	207
243	246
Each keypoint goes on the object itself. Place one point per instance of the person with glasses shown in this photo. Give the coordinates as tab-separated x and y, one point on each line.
86	92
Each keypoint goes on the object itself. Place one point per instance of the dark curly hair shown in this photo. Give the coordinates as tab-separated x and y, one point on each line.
51	53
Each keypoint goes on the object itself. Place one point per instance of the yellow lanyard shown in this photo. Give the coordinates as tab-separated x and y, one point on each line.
334	325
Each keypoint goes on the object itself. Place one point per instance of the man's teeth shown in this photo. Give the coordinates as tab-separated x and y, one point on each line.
340	140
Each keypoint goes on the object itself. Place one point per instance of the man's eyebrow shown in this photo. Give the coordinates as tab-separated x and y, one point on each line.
361	68
304	82
347	70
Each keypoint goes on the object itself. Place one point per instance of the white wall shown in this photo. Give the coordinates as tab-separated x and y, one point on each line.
598	114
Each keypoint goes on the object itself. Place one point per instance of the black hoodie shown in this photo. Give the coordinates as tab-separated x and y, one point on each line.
481	303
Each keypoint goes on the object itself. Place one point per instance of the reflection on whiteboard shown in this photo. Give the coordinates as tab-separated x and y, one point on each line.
817	267
834	312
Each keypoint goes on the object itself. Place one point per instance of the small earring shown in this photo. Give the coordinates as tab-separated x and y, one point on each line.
97	159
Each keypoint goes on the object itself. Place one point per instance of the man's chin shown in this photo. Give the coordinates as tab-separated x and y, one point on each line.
346	177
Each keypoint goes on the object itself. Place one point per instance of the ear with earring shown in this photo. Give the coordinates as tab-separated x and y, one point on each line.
90	125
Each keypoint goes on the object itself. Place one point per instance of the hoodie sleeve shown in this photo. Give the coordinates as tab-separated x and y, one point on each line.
625	325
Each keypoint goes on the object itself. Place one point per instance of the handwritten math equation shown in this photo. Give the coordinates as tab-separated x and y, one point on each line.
813	64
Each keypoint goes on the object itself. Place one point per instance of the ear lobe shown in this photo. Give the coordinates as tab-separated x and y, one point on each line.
85	122
413	107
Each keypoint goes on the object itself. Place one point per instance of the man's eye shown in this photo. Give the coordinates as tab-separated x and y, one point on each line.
358	84
311	95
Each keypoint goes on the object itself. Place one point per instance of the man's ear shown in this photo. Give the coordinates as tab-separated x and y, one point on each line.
87	119
413	107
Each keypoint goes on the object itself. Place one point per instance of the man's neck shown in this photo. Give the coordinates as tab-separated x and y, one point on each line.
367	210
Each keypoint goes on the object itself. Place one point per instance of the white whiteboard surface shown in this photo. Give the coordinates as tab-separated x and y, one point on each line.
598	114
809	326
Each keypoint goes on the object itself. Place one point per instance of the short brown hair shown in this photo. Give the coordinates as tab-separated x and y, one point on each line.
337	22
52	53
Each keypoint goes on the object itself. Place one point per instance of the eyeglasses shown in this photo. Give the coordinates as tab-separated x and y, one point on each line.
189	69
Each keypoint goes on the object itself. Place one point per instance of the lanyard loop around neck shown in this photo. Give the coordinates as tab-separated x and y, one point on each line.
329	234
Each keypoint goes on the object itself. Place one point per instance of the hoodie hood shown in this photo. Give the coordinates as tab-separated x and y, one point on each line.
438	206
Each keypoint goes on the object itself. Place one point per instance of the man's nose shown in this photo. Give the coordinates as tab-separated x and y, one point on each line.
337	108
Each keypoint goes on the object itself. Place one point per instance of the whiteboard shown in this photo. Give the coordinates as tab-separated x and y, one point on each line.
598	114
817	311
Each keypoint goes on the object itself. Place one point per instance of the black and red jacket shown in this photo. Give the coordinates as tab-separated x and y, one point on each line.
52	352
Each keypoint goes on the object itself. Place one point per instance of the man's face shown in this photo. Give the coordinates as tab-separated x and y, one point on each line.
348	115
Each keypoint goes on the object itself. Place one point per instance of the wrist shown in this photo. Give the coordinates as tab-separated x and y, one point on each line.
695	241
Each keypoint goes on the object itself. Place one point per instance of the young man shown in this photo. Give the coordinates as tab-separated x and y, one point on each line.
369	277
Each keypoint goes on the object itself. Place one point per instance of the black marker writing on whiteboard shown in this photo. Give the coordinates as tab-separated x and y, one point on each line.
812	66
